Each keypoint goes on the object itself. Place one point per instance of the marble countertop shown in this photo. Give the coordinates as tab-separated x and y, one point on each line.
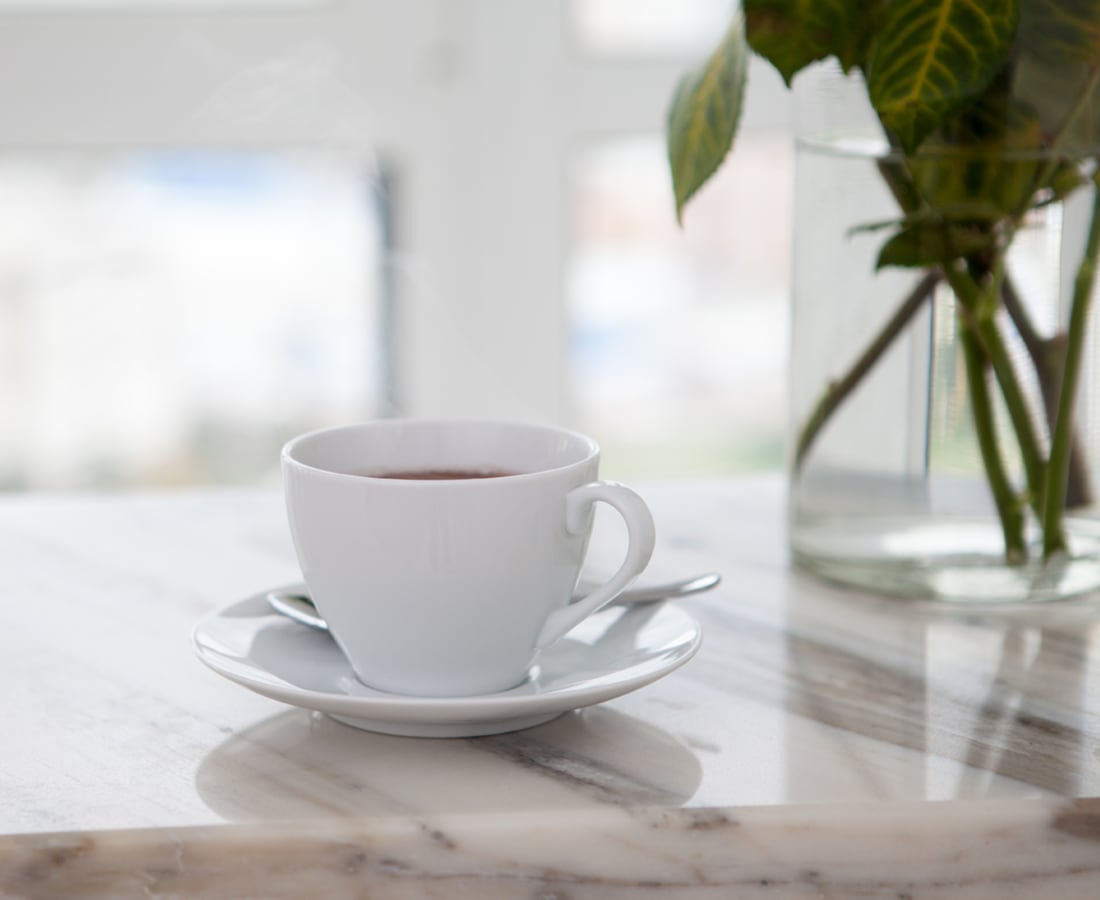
821	744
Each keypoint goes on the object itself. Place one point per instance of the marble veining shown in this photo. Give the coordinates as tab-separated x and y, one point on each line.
821	744
965	849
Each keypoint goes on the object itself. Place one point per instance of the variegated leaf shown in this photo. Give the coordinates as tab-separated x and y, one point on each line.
704	114
984	163
1061	31
1058	52
931	57
921	245
791	34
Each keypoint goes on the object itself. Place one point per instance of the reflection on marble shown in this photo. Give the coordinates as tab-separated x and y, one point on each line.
294	764
821	744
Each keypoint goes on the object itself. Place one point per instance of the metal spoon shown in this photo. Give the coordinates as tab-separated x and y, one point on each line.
295	604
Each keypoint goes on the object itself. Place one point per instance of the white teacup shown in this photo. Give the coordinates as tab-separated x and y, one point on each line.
443	554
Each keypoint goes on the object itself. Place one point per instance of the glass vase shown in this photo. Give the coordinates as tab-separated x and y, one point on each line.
889	487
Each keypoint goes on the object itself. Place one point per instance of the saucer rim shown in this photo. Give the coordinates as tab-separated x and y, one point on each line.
382	707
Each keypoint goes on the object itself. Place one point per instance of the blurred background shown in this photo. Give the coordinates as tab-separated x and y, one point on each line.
223	222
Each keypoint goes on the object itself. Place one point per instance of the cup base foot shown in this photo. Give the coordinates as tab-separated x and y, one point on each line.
446	729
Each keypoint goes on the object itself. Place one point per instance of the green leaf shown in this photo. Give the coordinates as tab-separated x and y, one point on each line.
702	120
1058	52
924	244
871	227
1066	179
791	34
1061	31
1065	100
932	57
984	164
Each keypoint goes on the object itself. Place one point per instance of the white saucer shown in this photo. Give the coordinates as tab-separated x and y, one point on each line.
613	652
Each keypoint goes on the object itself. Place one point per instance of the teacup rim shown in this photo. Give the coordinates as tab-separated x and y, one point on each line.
590	445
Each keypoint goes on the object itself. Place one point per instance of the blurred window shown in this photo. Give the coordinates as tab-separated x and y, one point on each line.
171	317
197	257
678	336
109	6
649	27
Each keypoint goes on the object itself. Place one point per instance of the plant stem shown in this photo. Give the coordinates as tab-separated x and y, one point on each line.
981	306
837	391
1060	439
1048	360
1008	507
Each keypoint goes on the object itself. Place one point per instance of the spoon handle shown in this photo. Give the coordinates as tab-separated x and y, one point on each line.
294	603
651	593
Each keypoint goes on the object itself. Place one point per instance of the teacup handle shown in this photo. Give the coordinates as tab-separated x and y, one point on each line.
640	539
